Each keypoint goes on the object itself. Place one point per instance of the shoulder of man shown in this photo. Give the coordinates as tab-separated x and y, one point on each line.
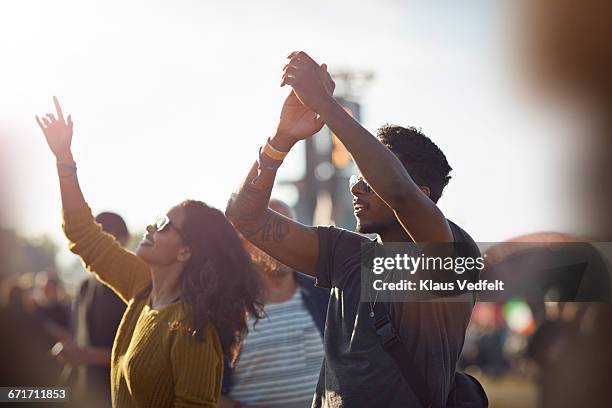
339	252
334	236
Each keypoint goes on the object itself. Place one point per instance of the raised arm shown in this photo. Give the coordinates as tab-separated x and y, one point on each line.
58	133
120	269
294	244
419	216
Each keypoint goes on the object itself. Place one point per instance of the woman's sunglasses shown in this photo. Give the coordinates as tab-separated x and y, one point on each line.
162	222
355	179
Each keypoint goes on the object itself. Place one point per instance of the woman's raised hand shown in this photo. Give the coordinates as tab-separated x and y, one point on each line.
58	133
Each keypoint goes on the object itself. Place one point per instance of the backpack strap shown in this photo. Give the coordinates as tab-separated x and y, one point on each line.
391	342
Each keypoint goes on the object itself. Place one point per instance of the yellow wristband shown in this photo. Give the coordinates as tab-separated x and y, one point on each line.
273	153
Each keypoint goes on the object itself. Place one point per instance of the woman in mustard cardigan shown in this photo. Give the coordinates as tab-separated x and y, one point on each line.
188	289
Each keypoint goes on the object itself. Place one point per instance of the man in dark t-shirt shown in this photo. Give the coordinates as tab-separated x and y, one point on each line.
434	331
406	173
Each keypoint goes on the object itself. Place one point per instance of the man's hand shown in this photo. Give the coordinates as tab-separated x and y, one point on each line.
311	83
58	132
297	121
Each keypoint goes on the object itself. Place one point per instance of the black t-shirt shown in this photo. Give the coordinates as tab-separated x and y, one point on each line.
357	371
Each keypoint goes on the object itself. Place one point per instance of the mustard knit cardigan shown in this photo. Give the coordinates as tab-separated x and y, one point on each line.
156	362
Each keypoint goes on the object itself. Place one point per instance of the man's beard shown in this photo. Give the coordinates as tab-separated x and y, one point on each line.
377	225
367	228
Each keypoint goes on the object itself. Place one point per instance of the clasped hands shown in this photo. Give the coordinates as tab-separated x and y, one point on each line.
312	91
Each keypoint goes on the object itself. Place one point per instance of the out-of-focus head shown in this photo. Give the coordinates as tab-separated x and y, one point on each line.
282	208
568	47
426	164
266	264
115	225
567	55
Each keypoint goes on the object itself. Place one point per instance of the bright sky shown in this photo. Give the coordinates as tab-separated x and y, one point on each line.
172	99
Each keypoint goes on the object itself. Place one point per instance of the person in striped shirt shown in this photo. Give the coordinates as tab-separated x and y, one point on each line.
280	359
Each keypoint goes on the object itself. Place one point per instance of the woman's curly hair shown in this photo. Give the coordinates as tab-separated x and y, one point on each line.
220	285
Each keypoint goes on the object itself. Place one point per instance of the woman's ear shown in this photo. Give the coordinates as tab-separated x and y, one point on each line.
184	254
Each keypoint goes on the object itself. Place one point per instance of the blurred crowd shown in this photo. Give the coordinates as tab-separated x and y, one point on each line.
36	312
59	336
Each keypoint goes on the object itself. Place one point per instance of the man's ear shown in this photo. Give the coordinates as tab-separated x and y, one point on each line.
184	254
425	190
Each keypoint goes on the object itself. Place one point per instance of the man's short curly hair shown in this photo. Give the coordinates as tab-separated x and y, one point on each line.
424	161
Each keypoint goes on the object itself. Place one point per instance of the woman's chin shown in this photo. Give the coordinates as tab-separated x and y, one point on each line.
143	251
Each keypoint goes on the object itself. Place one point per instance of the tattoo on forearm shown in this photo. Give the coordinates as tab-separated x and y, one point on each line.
248	211
256	226
274	229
